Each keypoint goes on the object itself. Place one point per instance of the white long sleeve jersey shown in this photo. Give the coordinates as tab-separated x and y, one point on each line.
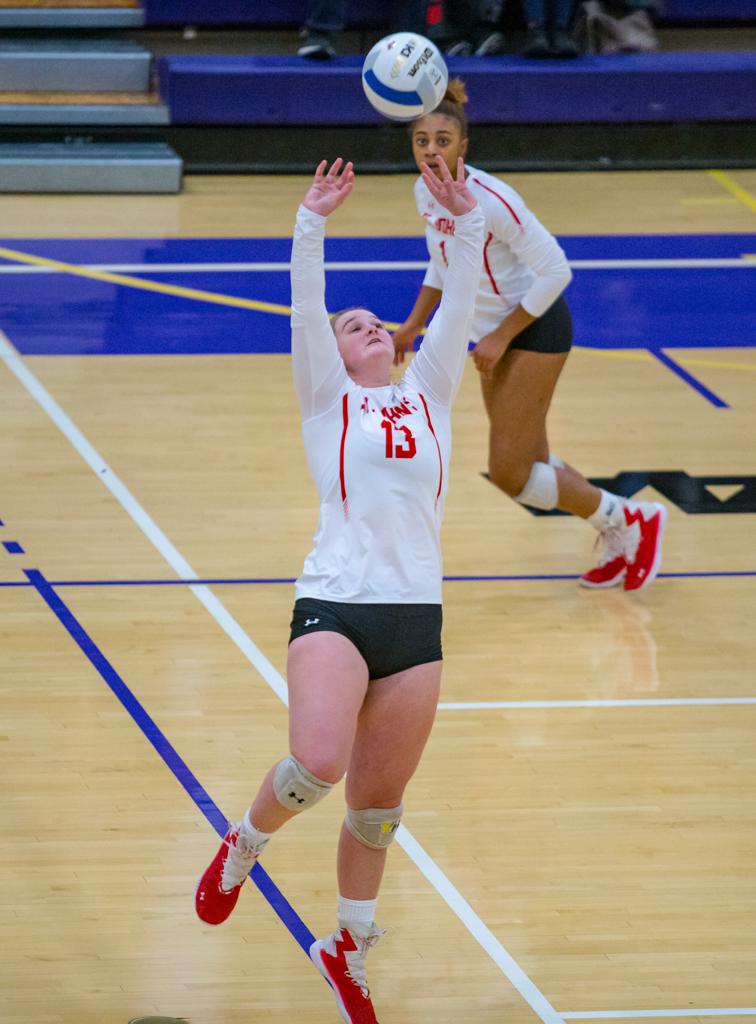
379	456
522	261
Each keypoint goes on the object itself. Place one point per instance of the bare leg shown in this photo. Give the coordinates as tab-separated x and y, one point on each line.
394	725
577	495
327	679
327	684
517	399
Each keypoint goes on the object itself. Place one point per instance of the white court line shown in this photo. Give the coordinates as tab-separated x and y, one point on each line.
660	264
747	1011
449	893
145	523
210	268
644	702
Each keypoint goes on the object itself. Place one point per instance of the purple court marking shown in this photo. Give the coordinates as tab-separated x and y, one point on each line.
504	578
167	752
13	547
613	307
696	384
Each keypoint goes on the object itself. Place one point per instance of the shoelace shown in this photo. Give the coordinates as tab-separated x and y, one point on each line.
357	972
619	540
612	542
238	863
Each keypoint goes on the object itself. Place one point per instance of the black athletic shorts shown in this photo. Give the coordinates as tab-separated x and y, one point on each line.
390	637
550	333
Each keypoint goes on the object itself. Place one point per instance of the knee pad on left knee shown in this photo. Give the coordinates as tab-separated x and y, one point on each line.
555	461
296	788
374	827
541	490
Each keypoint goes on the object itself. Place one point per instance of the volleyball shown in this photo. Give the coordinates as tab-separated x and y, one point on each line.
404	76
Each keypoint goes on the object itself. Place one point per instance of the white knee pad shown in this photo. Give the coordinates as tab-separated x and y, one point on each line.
296	788
374	827
541	490
555	461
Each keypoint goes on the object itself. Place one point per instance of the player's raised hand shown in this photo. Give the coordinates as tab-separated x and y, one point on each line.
453	195
329	187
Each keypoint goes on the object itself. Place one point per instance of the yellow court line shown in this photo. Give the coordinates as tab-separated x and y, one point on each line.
717	363
198	295
644	356
641	356
732	186
195	294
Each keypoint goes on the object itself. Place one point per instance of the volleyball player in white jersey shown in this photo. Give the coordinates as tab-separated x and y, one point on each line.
364	663
523	332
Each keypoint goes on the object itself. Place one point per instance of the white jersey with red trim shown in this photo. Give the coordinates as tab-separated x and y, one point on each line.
379	456
522	261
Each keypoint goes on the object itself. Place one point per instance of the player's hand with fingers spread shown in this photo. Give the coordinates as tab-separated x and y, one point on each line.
329	187
453	195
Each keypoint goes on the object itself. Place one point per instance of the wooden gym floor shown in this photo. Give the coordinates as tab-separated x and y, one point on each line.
581	835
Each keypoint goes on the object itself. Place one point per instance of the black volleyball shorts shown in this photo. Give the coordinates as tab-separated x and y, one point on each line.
390	637
550	333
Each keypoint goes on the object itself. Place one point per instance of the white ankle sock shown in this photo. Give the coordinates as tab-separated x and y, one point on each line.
357	915
609	512
257	840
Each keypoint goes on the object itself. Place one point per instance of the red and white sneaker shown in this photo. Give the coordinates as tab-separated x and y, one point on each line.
341	960
631	550
219	888
646	520
612	567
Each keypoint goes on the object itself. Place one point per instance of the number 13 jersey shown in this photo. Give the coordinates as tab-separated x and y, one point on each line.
379	456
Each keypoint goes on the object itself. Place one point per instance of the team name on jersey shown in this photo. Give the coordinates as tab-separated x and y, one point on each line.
444	225
395	412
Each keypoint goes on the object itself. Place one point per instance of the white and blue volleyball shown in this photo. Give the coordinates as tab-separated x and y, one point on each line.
404	76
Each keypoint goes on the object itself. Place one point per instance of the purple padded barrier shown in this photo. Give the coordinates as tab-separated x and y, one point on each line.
622	88
263	13
709	10
375	12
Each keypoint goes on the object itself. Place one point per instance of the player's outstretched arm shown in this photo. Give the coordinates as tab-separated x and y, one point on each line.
318	368
453	195
438	366
330	187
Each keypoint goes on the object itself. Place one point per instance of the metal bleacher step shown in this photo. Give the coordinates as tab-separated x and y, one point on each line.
70	16
93	167
56	108
73	65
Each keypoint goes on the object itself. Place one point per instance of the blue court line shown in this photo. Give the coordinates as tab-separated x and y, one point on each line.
504	578
167	752
694	382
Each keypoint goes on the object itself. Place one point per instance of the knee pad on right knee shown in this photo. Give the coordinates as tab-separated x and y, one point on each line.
541	490
375	826
297	789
